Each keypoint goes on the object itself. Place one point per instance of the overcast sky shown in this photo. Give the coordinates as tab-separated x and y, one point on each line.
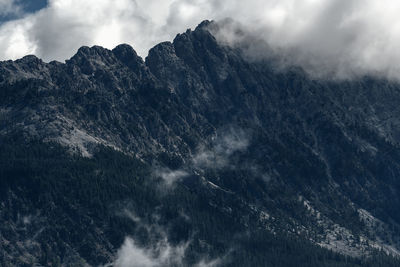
335	36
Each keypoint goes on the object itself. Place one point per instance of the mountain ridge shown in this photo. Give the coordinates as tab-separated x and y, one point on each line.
271	150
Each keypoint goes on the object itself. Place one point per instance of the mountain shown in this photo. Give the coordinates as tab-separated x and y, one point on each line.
196	156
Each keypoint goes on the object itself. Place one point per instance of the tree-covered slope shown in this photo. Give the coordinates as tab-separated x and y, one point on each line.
63	209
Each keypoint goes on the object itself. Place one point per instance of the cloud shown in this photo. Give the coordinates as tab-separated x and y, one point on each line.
215	154
212	263
223	145
57	31
9	7
161	254
158	252
170	176
326	37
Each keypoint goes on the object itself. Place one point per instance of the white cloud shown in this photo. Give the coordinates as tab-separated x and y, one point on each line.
339	38
161	254
14	41
170	176
159	251
215	155
57	31
334	37
213	263
223	145
9	7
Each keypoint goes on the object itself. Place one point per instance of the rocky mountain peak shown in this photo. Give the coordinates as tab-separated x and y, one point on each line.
124	51
269	151
128	56
204	25
89	59
30	60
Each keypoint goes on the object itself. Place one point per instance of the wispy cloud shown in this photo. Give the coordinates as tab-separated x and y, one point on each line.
212	263
158	252
223	145
9	7
170	176
214	154
158	255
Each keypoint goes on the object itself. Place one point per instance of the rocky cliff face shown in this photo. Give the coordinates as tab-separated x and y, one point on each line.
273	151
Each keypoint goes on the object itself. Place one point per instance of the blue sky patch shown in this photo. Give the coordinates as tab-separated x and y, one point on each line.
25	7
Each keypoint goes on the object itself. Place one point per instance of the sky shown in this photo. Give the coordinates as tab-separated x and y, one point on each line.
326	37
11	10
